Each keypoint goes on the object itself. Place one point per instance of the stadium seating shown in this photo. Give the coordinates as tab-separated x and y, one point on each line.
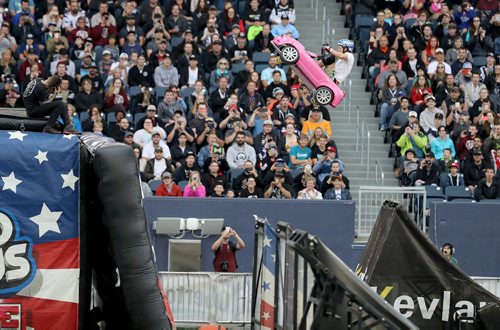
453	192
154	184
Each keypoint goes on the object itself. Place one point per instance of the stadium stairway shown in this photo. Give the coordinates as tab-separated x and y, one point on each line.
345	131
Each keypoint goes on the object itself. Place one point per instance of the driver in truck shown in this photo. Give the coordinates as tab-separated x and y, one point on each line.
344	59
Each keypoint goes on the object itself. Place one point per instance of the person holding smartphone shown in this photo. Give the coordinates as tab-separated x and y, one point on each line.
225	250
194	188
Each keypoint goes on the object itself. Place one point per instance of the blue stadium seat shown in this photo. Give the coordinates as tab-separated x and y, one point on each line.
154	184
479	61
362	22
182	184
138	116
110	116
160	93
462	200
260	57
430	201
260	67
490	201
134	90
434	192
186	92
84	115
234	173
237	67
295	171
176	41
453	193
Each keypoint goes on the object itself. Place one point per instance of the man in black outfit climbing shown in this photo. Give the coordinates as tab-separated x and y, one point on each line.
39	102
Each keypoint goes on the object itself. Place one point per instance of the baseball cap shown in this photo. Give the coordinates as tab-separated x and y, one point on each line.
455	89
93	65
438	115
129	134
430	97
166	175
401	93
188	31
409	150
29	36
106	52
285	16
290	115
242	35
440	50
412	114
124	55
331	148
430	154
193	57
453	164
130	17
158	149
467	65
236	26
156	132
151	107
278	90
477	152
190	153
465	113
268	122
89	39
159	30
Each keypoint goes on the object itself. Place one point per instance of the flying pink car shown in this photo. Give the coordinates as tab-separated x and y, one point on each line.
292	52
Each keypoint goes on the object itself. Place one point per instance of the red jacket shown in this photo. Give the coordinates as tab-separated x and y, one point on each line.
162	191
109	100
100	36
418	95
25	70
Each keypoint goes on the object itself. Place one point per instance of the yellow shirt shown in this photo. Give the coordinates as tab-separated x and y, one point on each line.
309	127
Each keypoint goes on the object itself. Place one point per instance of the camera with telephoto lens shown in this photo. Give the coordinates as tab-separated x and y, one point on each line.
223	265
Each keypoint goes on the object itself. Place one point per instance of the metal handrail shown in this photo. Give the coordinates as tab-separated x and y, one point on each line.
371	197
379	170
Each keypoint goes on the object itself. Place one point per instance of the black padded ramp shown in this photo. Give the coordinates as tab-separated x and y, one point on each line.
124	222
16	119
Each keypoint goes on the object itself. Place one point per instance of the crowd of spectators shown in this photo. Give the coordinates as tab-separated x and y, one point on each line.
176	80
434	70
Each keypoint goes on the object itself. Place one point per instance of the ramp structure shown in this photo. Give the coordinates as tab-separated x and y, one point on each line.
404	265
70	211
312	287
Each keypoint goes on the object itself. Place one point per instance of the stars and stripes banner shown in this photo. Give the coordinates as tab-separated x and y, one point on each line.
39	240
267	278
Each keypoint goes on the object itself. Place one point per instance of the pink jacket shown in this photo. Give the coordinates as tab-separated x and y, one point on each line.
199	192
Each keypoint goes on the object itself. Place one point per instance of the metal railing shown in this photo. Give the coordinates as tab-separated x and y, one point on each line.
492	284
363	137
379	174
370	199
209	298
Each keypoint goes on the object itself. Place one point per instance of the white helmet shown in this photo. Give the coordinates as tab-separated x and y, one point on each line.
346	43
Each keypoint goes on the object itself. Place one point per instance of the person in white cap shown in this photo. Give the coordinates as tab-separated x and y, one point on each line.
432	68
